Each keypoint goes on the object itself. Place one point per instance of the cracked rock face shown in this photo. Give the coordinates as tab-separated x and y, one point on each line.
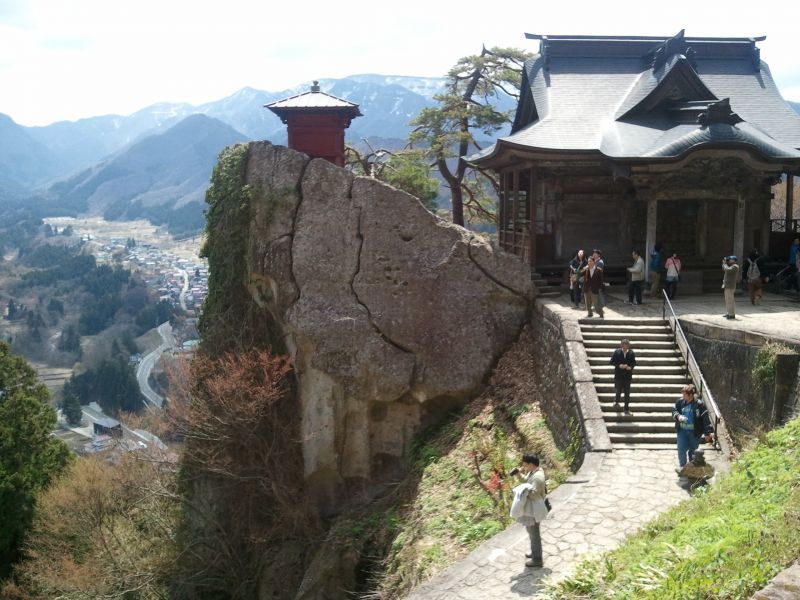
394	317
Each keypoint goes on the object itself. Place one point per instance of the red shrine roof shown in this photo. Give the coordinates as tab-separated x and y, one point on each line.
313	101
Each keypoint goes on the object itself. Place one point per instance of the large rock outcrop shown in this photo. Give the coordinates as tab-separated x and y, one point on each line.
394	317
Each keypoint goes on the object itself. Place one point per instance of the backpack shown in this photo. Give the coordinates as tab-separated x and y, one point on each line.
753	272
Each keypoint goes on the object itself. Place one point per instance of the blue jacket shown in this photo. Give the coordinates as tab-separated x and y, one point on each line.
655	261
702	422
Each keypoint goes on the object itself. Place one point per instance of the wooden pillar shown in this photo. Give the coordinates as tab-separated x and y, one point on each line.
558	199
765	226
506	210
789	200
701	231
515	210
652	216
532	199
738	227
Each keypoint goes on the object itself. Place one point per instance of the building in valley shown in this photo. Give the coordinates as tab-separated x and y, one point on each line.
622	142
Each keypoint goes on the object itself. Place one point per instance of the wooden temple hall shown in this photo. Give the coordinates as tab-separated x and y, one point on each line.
622	142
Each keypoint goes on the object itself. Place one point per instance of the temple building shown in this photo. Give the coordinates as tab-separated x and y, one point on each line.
316	122
622	142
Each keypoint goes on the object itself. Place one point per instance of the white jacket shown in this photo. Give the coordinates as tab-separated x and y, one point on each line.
528	502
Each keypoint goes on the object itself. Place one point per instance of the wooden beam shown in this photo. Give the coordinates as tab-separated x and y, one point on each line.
532	198
701	232
650	239
738	227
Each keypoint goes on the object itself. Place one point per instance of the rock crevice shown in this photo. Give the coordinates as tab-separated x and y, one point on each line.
389	312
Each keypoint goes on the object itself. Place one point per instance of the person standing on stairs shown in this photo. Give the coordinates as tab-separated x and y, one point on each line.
624	360
592	286
637	279
729	281
691	423
529	507
576	266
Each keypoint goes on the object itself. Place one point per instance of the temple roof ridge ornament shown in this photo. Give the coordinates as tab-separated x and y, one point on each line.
719	112
657	58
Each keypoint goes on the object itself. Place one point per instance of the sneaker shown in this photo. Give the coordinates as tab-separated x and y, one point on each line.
534	563
628	411
679	471
589	316
730	317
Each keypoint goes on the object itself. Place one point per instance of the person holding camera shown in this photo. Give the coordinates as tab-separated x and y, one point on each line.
730	269
528	506
691	424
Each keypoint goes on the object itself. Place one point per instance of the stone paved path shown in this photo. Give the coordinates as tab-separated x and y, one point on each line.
611	496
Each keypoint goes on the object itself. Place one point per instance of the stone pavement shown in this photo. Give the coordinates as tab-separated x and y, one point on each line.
611	495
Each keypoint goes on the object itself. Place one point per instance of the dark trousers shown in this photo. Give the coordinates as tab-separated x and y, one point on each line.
672	288
623	386
575	294
536	542
635	291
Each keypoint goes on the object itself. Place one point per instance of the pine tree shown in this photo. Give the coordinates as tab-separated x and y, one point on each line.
71	406
29	456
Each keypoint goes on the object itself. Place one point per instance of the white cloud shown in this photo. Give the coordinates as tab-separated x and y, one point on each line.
87	57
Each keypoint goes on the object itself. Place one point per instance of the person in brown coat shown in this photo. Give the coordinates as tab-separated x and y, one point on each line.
592	286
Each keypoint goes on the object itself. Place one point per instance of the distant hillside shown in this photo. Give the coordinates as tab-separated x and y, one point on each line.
67	147
162	177
24	162
795	106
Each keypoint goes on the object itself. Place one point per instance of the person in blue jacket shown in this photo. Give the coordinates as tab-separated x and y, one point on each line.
691	424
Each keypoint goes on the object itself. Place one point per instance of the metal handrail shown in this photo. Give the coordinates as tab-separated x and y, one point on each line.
704	391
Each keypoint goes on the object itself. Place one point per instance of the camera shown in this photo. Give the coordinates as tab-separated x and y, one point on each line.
514	471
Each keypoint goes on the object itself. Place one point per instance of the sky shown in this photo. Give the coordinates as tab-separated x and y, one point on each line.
70	59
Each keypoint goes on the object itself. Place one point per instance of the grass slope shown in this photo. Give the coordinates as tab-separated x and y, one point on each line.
726	542
458	494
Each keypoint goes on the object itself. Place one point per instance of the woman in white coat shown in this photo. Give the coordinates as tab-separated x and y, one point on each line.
528	506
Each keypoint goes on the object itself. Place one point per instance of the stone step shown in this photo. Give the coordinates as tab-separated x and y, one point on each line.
640	352
611	345
643	439
640	377
624	329
638	415
637	407
642	368
654	398
633	338
637	427
649	389
623	322
642	362
639	446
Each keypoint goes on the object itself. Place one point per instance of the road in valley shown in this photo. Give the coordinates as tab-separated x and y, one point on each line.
184	289
147	363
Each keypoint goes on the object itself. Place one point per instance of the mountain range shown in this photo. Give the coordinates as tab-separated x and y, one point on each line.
156	162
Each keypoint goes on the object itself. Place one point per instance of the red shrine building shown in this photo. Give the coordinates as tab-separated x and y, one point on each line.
620	142
316	122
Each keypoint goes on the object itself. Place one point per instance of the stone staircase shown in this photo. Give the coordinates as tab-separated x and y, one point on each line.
659	375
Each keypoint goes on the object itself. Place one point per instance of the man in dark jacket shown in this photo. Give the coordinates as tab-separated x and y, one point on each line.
691	423
624	361
592	287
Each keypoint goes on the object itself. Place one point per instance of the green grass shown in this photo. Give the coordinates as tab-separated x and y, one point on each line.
726	542
448	513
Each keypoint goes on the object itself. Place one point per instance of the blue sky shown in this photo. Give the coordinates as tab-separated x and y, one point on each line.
68	59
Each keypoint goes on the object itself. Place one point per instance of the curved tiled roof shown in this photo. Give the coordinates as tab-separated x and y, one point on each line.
601	95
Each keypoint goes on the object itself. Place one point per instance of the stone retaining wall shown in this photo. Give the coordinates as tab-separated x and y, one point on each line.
726	357
564	380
